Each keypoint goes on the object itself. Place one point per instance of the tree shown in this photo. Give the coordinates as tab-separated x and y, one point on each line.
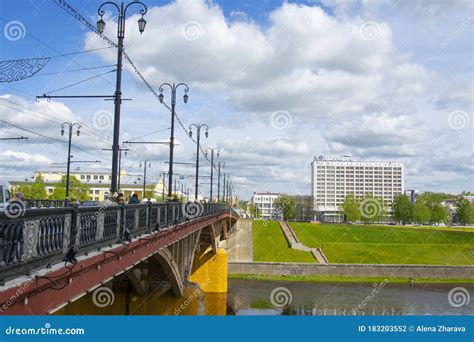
402	209
464	210
439	213
35	190
351	208
421	213
432	200
77	190
287	205
372	209
254	211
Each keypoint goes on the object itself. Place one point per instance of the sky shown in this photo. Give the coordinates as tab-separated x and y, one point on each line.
277	82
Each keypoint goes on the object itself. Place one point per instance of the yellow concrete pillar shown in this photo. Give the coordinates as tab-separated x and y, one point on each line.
210	271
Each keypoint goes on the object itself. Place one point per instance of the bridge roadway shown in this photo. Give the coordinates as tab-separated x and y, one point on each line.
51	257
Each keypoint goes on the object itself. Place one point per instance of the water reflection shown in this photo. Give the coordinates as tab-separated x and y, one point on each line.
252	297
159	302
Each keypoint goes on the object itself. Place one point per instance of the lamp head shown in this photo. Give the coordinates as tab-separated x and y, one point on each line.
101	25
141	25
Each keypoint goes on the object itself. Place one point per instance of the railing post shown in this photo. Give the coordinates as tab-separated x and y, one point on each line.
174	214
30	238
74	230
158	215
100	226
148	217
122	221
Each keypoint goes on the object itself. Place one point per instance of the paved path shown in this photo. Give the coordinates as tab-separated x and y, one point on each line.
240	242
296	244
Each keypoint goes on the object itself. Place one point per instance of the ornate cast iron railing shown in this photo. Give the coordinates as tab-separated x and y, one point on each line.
40	237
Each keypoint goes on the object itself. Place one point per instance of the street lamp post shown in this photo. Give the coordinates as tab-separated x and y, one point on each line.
223	189
145	162
220	164
68	168
173	88
163	186
212	149
198	139
121	149
122	10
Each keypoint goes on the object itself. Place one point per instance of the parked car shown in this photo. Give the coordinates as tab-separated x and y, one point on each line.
5	195
90	204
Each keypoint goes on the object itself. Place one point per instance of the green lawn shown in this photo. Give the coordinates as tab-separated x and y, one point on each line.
269	244
388	244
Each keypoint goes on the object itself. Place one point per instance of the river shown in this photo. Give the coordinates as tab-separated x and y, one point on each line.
254	297
263	297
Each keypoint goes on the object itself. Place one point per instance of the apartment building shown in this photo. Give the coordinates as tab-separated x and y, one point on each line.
335	178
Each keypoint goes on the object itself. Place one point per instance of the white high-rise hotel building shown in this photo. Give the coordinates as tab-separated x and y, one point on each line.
333	179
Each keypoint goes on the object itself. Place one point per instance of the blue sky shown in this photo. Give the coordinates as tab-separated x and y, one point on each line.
386	80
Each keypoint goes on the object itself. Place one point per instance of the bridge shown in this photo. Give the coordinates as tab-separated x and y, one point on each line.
50	257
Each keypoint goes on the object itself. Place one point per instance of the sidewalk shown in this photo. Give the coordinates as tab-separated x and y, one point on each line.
240	243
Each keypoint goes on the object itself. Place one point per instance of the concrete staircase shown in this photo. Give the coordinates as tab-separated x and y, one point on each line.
294	243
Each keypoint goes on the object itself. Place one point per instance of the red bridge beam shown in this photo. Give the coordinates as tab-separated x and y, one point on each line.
37	297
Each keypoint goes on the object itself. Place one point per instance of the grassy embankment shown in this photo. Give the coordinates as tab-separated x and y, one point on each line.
388	244
269	244
365	244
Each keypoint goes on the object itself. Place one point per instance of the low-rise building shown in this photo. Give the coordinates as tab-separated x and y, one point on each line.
411	194
264	204
98	181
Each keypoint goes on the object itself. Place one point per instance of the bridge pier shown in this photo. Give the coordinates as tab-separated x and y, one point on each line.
210	271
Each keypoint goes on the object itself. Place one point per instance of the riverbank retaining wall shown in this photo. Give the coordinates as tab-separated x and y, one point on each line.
352	270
